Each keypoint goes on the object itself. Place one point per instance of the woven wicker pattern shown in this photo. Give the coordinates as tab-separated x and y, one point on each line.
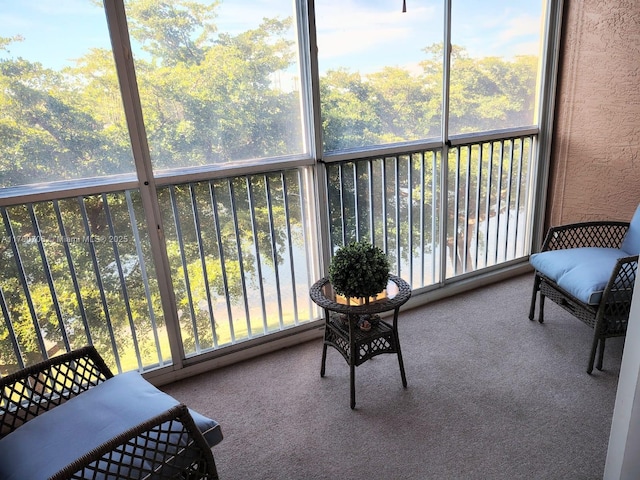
587	234
166	446
384	305
355	345
378	340
619	294
36	389
161	448
581	311
610	317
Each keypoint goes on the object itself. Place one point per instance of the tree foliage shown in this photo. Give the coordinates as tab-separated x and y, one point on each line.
208	97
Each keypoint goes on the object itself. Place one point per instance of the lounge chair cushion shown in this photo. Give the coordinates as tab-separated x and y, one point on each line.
631	242
582	272
54	439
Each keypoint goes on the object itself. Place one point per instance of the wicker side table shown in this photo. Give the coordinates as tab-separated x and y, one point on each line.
343	333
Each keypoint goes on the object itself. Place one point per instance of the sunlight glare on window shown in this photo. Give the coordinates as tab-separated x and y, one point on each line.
219	81
378	81
495	64
61	115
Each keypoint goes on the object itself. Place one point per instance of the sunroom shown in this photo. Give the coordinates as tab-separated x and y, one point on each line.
176	175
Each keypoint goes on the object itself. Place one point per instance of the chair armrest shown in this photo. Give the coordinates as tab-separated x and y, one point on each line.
45	385
587	234
166	446
615	305
619	289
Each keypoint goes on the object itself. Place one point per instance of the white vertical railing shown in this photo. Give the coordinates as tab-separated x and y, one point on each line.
248	244
242	251
486	206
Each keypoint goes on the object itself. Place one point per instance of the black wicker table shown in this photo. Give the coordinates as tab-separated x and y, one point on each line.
342	325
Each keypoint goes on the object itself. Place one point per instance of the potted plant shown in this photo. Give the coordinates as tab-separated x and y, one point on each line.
359	270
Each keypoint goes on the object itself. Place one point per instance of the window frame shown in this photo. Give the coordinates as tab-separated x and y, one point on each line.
147	181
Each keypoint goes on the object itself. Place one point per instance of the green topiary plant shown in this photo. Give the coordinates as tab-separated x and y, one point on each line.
359	269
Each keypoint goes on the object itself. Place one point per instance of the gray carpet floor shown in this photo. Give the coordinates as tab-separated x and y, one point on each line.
491	395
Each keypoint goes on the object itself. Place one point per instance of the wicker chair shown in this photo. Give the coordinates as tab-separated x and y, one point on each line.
589	269
70	417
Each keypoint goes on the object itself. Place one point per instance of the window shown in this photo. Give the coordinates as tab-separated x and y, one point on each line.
61	116
219	82
376	83
495	64
224	89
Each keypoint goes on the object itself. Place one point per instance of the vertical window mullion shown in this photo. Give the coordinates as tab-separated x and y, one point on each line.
118	31
456	214
444	161
311	82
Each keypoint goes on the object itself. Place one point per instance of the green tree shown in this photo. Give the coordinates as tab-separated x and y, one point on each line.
208	98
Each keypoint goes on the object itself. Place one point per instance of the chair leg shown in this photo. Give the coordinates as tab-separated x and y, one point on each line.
592	356
352	382
324	359
536	287
401	363
541	314
601	354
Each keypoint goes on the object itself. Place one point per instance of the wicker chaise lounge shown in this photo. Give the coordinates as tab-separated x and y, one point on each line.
70	417
589	269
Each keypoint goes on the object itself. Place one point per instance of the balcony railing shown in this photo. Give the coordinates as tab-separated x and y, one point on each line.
243	251
238	249
395	202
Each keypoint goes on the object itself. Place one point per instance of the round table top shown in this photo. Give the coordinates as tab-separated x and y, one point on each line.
397	293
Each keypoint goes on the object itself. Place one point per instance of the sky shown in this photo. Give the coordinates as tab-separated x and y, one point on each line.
357	34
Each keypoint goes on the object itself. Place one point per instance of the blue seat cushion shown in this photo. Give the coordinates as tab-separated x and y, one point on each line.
582	272
54	439
631	242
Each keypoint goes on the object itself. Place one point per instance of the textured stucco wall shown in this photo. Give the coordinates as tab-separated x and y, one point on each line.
595	163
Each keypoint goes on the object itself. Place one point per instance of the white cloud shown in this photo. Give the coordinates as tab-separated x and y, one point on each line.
235	18
66	7
507	34
346	29
524	25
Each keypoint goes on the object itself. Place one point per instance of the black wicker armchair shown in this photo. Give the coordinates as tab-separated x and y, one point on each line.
70	418
589	269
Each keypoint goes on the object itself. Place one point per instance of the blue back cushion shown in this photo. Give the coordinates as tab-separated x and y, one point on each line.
631	243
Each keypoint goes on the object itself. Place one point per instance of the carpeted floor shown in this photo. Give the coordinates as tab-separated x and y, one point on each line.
491	395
